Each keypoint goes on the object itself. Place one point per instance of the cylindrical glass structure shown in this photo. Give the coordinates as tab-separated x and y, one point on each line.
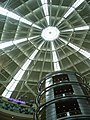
63	95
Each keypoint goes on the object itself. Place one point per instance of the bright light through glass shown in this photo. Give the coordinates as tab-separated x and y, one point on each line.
15	42
50	33
55	58
43	1
68	30
77	29
10	43
12	15
3	11
45	9
72	8
83	52
77	3
47	18
12	85
82	28
74	46
69	12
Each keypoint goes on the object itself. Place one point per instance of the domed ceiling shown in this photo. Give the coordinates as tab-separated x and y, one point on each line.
38	37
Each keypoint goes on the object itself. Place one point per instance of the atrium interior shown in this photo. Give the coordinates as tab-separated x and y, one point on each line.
39	37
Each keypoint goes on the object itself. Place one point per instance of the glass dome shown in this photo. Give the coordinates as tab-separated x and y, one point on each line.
38	37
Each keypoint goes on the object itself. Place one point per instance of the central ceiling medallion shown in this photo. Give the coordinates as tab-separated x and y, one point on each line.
50	33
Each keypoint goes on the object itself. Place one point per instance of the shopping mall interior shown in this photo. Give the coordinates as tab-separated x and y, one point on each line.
41	40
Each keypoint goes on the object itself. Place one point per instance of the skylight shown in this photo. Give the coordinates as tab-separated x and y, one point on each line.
47	19
30	38
74	6
12	15
12	85
14	42
25	21
68	30
77	29
82	28
55	58
45	9
83	52
74	46
10	43
77	3
64	41
6	44
68	12
44	2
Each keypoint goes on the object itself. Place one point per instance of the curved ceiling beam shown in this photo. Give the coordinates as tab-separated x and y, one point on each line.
12	15
72	8
12	85
15	42
83	52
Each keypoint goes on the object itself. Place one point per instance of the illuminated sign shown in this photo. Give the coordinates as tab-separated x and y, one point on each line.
17	101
